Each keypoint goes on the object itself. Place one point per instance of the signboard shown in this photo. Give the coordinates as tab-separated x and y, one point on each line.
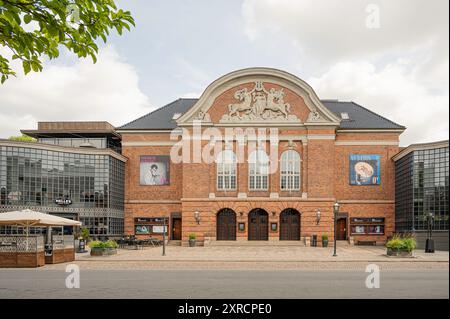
142	229
154	170
63	201
159	229
364	169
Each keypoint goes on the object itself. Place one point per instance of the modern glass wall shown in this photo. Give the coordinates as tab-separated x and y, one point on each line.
97	142
87	184
422	187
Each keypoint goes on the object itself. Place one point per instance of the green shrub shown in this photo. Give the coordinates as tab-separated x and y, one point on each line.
407	243
85	234
324	237
192	236
103	244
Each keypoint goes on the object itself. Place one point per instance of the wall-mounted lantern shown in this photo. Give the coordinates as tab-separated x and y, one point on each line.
197	217
318	215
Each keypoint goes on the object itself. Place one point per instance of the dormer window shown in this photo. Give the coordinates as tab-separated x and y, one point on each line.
345	116
176	116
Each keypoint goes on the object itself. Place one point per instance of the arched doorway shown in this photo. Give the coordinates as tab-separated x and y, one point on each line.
226	224
290	224
258	224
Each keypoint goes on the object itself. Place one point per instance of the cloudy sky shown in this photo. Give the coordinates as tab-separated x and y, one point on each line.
389	55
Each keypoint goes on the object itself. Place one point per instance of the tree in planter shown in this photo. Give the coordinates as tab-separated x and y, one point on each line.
85	234
73	24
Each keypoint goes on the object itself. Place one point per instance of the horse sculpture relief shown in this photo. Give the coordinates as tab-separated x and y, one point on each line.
259	104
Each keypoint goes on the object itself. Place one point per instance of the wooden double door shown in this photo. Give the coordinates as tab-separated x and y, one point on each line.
258	225
290	225
226	225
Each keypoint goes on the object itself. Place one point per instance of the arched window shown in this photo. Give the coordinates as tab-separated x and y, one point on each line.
226	170
258	170
290	171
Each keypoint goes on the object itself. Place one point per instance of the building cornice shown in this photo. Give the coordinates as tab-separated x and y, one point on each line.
57	148
420	147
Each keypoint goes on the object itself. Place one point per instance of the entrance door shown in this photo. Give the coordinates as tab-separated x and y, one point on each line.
226	225
290	225
341	229
258	225
176	228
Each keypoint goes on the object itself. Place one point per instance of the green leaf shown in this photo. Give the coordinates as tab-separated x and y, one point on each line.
27	18
26	66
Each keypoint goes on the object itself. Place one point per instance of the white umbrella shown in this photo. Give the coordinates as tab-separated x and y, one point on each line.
28	217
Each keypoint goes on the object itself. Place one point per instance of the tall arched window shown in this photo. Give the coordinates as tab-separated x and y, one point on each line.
226	170
258	170
290	171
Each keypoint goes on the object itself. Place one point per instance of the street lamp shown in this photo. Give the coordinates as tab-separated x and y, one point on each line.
429	245
336	211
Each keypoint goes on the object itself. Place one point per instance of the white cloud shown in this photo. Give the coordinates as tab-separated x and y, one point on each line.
83	91
399	70
336	30
392	91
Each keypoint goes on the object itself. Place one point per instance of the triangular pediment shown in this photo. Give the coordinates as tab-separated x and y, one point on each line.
259	96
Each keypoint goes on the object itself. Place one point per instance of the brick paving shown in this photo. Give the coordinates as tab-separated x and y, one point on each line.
258	258
264	254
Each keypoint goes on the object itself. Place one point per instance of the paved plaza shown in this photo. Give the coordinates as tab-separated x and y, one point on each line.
261	253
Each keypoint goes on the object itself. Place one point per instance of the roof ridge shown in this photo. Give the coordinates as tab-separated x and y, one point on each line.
376	114
150	113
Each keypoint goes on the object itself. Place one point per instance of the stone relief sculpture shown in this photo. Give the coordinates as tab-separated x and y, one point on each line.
202	116
259	104
314	116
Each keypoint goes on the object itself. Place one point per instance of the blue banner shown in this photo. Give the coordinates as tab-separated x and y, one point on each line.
364	169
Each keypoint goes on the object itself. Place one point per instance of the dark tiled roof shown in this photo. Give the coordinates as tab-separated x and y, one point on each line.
160	119
360	117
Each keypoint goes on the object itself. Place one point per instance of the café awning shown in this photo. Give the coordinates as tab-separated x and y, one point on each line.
28	217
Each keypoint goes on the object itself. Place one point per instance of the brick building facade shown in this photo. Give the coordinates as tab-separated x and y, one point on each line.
277	186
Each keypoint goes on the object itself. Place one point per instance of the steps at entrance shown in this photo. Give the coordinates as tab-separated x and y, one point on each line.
174	243
221	243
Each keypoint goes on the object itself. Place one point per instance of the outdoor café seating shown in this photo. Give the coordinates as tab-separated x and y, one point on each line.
131	242
25	250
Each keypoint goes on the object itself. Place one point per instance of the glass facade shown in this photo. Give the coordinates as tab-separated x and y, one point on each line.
421	187
89	186
98	142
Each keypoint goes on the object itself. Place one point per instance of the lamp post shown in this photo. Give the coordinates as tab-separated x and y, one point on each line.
429	245
164	236
336	210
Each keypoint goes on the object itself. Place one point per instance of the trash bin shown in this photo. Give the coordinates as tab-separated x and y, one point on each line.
314	241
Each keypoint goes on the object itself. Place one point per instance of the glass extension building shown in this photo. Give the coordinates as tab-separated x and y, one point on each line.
422	187
83	181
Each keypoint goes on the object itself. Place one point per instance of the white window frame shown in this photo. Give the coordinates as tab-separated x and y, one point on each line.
290	161
258	161
226	169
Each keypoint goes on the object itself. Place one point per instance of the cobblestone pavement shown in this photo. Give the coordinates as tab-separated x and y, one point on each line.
264	253
259	258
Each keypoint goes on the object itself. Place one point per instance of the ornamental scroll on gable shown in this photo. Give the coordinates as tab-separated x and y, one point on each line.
259	104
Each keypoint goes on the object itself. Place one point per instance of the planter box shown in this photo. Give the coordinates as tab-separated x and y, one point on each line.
325	243
103	251
398	253
192	242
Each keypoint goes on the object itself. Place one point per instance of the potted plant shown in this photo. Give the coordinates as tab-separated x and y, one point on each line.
400	246
103	248
324	240
192	240
84	238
